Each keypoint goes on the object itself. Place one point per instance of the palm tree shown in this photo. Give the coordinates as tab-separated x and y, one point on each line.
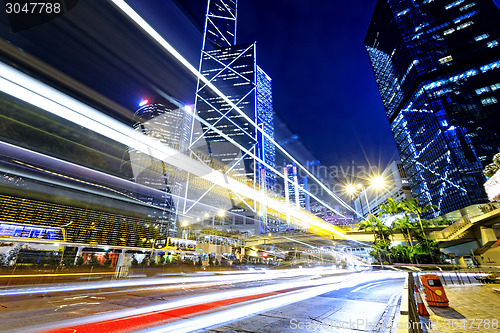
412	206
400	251
369	224
392	207
405	226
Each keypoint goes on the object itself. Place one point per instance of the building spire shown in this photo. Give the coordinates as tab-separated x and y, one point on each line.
220	24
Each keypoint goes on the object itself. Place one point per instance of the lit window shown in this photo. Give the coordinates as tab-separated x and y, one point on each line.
403	12
489	101
481	37
465	25
483	90
446	59
492	43
465	16
454	4
488	67
449	31
472	4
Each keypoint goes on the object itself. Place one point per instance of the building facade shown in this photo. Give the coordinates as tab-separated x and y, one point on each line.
295	188
232	137
233	70
437	67
328	215
172	127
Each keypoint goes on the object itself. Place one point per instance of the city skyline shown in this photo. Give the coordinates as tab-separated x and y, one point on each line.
156	176
340	127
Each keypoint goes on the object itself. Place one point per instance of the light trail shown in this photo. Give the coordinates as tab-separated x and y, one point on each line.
52	275
175	309
153	34
247	276
41	95
240	312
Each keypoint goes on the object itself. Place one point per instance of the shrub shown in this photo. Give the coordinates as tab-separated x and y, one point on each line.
491	169
496	159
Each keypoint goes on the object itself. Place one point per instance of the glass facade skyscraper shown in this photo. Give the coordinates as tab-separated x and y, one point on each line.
437	67
171	126
232	69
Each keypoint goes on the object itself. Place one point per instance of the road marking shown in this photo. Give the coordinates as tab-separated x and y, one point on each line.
148	320
367	286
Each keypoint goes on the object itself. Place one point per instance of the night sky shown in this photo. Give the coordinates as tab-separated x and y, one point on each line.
323	86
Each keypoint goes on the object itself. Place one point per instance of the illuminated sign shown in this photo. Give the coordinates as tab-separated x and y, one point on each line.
30	231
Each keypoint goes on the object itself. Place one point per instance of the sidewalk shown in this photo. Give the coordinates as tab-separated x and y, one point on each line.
473	308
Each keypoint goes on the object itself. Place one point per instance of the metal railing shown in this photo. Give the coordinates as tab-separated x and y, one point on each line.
461	277
453	230
413	318
464	222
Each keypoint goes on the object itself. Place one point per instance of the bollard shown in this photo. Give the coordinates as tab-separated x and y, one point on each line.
422	310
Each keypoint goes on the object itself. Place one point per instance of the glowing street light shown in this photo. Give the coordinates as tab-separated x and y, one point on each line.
221	213
377	182
351	189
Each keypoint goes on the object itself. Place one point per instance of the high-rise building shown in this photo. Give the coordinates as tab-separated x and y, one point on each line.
171	126
437	67
232	69
295	188
333	217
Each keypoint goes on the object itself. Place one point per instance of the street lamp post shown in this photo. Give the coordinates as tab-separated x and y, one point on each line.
377	183
362	189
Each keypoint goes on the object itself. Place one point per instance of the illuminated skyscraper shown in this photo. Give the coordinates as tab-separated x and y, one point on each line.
232	69
295	188
437	67
171	126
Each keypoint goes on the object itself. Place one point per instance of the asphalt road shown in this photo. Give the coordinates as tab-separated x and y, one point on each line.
271	301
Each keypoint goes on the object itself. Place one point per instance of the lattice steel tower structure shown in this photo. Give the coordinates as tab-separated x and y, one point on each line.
233	70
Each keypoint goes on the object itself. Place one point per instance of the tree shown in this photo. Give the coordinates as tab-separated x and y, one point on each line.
134	262
374	224
93	261
107	260
405	226
400	252
368	225
79	261
412	206
392	207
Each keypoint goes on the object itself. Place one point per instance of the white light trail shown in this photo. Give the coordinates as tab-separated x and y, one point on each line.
138	20
41	95
321	286
230	277
338	278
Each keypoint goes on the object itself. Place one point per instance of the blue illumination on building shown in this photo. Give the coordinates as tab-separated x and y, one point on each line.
430	86
29	231
232	68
